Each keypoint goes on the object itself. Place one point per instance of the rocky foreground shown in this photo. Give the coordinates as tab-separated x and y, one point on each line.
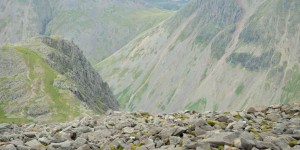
274	127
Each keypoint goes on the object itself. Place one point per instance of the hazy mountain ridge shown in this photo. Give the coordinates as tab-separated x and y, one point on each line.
99	27
212	55
47	80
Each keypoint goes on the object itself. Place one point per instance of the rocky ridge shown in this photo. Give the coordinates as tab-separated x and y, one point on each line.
275	127
70	61
49	80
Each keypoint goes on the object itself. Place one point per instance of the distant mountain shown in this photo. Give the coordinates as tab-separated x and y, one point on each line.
98	27
46	80
168	4
216	55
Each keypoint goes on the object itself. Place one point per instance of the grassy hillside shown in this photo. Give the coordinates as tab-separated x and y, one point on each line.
40	93
98	27
217	55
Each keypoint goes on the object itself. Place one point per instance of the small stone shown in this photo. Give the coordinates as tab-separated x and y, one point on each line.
141	148
17	142
174	140
9	147
44	140
199	131
222	118
251	110
84	147
230	126
4	126
200	123
247	144
66	144
158	143
179	131
273	117
240	125
83	129
167	132
128	130
35	144
22	147
79	141
109	112
237	143
202	145
226	147
266	145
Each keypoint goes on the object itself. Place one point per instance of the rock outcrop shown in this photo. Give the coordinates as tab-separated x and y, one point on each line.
69	60
275	127
46	80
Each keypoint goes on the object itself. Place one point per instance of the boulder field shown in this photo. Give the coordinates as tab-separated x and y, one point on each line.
275	127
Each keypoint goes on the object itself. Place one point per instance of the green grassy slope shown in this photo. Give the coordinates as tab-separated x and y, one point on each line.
39	78
65	108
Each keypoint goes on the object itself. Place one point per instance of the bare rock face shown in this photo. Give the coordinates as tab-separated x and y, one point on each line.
69	60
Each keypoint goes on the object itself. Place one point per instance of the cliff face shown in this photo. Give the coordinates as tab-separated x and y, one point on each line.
212	55
68	60
46	80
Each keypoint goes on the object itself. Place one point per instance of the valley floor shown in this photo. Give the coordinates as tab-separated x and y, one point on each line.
274	127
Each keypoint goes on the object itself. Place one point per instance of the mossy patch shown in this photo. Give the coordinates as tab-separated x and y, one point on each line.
238	116
220	147
112	147
212	122
291	91
293	143
124	96
181	116
4	118
145	114
199	105
5	47
135	146
239	89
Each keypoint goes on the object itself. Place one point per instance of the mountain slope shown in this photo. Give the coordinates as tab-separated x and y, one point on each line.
212	55
98	27
167	4
49	80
